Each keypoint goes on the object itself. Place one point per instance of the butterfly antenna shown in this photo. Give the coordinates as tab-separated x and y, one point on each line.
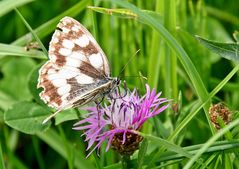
130	59
139	76
51	116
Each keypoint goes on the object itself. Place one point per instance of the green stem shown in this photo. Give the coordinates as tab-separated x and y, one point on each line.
37	150
125	161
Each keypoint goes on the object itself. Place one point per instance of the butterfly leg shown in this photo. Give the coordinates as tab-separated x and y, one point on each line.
125	91
112	111
51	116
98	109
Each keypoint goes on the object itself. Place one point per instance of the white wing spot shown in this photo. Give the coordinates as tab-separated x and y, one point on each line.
52	49
55	40
92	39
84	79
44	97
65	30
59	82
73	62
63	74
54	104
83	41
75	28
78	55
65	96
64	89
51	71
72	69
57	33
68	44
96	60
66	20
53	57
64	51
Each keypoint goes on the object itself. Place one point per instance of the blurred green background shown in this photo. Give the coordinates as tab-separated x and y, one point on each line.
120	33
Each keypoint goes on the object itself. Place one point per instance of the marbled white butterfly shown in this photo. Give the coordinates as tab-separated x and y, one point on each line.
77	71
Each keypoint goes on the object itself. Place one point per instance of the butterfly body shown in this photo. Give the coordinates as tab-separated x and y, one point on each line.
92	92
77	71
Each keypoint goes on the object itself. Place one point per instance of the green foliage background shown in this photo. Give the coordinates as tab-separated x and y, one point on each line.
170	57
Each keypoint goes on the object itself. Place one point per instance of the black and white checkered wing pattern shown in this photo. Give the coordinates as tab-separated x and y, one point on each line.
77	64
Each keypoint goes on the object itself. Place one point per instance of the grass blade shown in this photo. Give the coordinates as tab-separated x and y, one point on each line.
33	33
46	28
14	50
210	142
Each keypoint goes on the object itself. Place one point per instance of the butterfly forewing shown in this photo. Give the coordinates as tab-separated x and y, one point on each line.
78	70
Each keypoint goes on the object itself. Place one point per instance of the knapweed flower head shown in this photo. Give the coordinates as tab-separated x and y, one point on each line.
117	123
219	110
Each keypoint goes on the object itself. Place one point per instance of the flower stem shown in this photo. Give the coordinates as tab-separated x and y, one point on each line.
125	161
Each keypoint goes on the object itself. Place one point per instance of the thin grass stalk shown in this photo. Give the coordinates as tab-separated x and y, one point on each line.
154	56
170	57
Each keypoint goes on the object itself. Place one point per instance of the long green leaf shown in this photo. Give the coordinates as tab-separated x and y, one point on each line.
168	145
126	13
227	50
13	50
218	146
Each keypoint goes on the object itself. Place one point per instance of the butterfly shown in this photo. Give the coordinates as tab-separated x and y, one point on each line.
77	71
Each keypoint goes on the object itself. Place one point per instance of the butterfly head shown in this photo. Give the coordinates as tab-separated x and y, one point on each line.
115	82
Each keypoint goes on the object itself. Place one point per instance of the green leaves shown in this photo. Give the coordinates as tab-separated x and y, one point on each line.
13	84
27	117
229	51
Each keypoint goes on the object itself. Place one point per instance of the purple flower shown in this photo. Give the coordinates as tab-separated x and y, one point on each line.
118	122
